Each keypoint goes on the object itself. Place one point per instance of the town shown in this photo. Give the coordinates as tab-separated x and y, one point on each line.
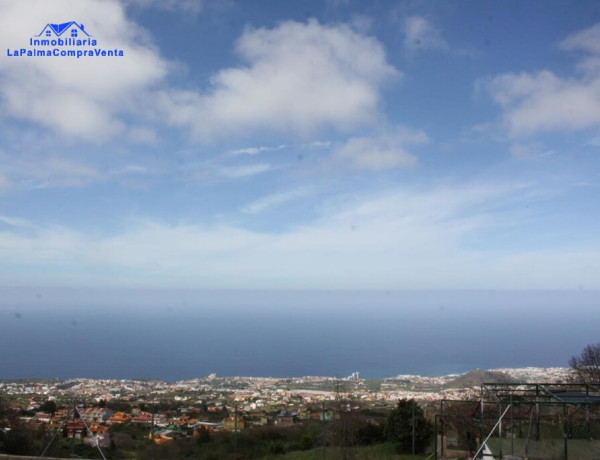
91	413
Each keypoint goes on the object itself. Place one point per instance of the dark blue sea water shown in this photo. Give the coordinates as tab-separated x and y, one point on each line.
173	335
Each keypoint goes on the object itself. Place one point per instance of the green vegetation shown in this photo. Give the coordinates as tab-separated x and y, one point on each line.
22	440
48	407
383	451
351	434
549	448
408	426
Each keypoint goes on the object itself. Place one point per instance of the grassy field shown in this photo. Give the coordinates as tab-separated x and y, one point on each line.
384	451
551	449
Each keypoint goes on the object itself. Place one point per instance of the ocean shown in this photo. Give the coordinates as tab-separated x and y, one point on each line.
175	335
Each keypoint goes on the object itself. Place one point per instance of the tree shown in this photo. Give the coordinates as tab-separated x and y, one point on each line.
400	427
369	433
49	407
341	429
18	441
587	365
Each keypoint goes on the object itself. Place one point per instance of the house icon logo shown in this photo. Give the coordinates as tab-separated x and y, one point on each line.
64	40
65	30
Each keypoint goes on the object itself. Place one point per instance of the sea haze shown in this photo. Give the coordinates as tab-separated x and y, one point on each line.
174	335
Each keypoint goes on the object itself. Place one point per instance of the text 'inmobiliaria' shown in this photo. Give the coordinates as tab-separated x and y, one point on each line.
68	39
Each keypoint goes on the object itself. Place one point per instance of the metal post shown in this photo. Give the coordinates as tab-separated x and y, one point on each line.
512	428
442	427
587	420
324	432
435	430
537	413
152	431
537	421
565	415
481	419
413	426
235	429
491	433
73	434
500	430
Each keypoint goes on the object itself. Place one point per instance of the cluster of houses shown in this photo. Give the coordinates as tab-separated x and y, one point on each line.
92	425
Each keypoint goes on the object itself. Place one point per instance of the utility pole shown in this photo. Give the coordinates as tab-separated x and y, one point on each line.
413	426
324	431
152	430
435	440
566	430
442	426
235	429
512	428
73	434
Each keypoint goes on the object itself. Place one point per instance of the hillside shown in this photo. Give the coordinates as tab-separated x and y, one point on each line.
477	377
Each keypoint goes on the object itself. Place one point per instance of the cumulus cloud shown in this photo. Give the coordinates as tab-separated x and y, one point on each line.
299	78
296	78
543	101
80	98
380	152
586	40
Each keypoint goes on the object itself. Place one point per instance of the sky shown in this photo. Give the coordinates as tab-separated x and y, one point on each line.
311	145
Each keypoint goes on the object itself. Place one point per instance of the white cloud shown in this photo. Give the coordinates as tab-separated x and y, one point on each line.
17	222
586	40
274	200
380	152
300	78
131	169
52	171
255	150
80	98
36	171
411	239
236	172
320	144
546	102
421	35
530	151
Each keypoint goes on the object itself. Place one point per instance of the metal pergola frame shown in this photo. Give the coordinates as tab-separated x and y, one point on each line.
507	397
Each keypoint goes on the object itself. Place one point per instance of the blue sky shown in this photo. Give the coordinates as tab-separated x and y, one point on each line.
303	145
